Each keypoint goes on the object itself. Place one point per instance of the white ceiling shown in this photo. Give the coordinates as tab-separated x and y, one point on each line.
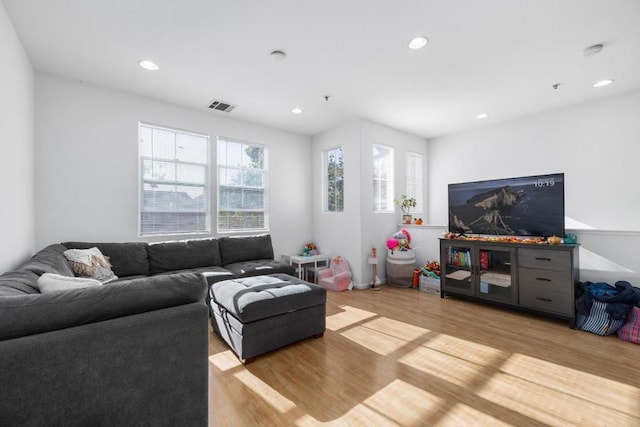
496	56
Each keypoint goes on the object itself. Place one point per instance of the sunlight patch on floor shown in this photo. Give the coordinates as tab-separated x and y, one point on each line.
225	361
463	415
373	340
449	368
397	404
580	384
265	391
404	403
350	316
402	330
466	350
549	406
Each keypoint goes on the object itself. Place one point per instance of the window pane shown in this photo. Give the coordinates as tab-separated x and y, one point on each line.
191	173
253	178
234	154
253	157
241	185
163	171
190	198
253	199
382	178
414	179
163	144
145	141
230	198
191	148
173	174
230	177
334	169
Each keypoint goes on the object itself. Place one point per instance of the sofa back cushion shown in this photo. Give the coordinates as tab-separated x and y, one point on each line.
181	255
127	259
245	248
49	260
20	282
25	315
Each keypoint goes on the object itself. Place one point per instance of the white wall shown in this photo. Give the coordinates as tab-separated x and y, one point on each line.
595	144
87	164
377	228
355	231
17	211
338	233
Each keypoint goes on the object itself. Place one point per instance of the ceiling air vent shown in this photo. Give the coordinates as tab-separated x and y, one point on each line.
222	106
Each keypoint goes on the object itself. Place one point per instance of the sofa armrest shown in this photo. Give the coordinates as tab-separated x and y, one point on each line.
37	313
323	274
145	369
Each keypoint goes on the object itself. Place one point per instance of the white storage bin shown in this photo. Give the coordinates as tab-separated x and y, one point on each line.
429	284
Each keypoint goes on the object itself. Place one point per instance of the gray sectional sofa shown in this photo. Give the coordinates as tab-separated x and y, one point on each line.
131	352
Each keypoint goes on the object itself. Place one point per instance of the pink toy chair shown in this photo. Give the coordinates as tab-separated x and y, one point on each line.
337	277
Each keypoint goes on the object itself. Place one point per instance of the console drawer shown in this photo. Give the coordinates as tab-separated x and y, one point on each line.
546	259
540	299
545	280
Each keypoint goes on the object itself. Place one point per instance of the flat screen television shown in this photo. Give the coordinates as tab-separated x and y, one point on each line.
525	206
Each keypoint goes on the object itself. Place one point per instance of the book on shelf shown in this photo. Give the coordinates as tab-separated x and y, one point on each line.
459	257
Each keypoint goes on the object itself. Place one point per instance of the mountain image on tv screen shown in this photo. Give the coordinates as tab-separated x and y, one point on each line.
525	206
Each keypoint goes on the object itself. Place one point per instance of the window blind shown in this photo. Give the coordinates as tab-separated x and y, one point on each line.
174	184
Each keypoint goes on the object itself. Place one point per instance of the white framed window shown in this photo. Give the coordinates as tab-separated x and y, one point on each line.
242	185
413	168
382	178
333	159
174	181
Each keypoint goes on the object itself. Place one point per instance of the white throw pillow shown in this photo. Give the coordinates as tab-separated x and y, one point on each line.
50	282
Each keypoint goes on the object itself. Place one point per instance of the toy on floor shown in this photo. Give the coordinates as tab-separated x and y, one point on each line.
337	277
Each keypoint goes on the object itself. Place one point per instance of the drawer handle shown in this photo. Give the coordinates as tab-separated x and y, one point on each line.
543	279
544	299
541	258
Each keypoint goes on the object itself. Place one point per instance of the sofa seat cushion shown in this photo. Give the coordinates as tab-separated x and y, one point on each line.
20	282
245	248
49	260
254	298
259	267
181	255
32	314
127	259
211	274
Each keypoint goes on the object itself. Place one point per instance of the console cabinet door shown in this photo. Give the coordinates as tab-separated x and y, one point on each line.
458	266
497	274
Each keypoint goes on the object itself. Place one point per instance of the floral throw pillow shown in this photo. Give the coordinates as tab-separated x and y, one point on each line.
90	263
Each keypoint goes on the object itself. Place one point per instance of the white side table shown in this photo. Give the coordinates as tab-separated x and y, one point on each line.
299	261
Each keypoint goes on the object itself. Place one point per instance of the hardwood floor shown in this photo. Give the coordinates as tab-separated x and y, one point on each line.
401	357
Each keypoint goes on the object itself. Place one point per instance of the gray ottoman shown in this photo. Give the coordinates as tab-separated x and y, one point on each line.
255	315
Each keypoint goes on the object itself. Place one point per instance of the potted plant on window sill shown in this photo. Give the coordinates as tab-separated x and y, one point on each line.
405	203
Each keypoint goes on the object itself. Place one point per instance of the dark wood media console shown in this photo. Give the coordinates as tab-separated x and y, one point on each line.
540	278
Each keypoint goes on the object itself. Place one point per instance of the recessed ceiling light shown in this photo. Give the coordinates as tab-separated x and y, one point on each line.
297	110
148	65
603	83
278	55
482	116
592	50
418	43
